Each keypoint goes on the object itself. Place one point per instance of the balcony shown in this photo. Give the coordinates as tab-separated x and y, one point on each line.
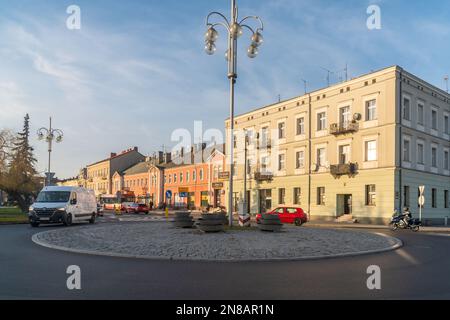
344	127
263	176
349	169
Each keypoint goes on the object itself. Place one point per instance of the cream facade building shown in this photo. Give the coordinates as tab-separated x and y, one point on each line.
99	175
355	150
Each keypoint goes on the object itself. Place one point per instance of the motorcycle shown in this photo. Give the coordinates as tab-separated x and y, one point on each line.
400	222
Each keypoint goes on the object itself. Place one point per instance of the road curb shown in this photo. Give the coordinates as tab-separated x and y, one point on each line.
397	243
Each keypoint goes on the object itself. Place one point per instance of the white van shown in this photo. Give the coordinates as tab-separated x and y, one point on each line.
63	205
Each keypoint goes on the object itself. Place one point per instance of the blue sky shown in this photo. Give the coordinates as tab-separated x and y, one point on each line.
136	70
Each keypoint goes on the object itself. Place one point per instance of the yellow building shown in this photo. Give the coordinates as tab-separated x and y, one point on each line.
99	174
355	150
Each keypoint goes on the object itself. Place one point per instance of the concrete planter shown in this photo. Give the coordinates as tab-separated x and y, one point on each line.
270	222
183	220
212	222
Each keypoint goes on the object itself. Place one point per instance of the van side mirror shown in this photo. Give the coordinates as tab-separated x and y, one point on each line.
73	201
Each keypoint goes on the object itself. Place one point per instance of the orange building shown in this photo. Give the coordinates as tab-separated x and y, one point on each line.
193	181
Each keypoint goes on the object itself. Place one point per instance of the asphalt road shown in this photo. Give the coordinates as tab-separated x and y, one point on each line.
420	270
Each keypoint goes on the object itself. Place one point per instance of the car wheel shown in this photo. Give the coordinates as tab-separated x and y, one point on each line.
298	222
146	212
67	221
92	220
34	224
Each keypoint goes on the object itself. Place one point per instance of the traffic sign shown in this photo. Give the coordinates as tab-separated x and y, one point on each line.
168	194
421	190
421	201
183	194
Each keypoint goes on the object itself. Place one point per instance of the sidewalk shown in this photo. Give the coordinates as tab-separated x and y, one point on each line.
343	225
318	224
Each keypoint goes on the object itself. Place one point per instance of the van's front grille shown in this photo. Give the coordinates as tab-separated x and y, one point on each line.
44	212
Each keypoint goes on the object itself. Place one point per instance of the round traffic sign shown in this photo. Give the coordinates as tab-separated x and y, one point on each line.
421	201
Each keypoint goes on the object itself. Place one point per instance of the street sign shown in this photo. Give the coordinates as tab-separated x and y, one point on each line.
224	175
183	190
169	194
183	194
217	185
421	190
421	201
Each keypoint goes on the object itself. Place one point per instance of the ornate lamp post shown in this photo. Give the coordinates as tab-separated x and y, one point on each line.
49	134
234	28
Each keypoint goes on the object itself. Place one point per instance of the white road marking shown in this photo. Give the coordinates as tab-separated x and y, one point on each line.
405	255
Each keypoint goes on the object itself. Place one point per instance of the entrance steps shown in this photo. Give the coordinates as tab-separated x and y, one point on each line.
347	218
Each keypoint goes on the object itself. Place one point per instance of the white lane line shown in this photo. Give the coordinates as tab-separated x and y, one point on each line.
405	255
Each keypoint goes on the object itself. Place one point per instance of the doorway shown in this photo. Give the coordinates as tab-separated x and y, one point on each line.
217	198
265	200
344	205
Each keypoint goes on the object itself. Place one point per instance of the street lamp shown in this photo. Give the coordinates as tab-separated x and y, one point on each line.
235	29
49	134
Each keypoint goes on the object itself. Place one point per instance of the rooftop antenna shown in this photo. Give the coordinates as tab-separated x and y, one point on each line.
279	98
305	85
329	73
446	82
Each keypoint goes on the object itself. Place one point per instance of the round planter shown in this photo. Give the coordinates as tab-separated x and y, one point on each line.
183	220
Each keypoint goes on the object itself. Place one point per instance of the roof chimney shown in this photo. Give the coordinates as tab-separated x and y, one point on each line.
113	154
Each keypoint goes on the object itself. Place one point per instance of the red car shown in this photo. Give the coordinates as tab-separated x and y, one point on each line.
289	215
137	208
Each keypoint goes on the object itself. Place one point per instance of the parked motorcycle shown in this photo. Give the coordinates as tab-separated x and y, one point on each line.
403	221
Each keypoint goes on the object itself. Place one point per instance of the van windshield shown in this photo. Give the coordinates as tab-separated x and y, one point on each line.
53	196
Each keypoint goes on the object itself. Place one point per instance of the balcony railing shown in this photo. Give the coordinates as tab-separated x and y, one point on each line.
263	176
344	169
344	127
264	145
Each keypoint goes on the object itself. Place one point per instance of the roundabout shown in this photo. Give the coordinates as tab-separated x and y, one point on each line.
162	241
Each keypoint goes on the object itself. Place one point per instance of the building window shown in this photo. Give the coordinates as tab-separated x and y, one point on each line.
434	119
434	157
188	176
264	142
420	114
434	198
321	121
281	130
420	154
175	178
406	196
446	199
371	150
446	125
406	109
371	195
297	196
344	115
281	196
344	154
235	141
281	162
264	163
321	157
181	178
194	175
321	196
300	126
406	151
300	160
371	110
446	160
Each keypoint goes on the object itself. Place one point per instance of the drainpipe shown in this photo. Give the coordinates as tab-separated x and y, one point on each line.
309	154
400	133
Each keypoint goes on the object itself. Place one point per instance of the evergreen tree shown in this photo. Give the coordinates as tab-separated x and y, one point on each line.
20	181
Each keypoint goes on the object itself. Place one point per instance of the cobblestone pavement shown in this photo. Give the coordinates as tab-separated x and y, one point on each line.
160	240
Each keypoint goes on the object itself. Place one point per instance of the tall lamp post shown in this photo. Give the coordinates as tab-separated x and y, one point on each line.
49	134
234	28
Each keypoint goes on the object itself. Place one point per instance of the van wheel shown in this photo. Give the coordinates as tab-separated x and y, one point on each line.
67	221
92	220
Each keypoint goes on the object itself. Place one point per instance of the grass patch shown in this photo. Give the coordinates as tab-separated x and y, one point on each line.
12	215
